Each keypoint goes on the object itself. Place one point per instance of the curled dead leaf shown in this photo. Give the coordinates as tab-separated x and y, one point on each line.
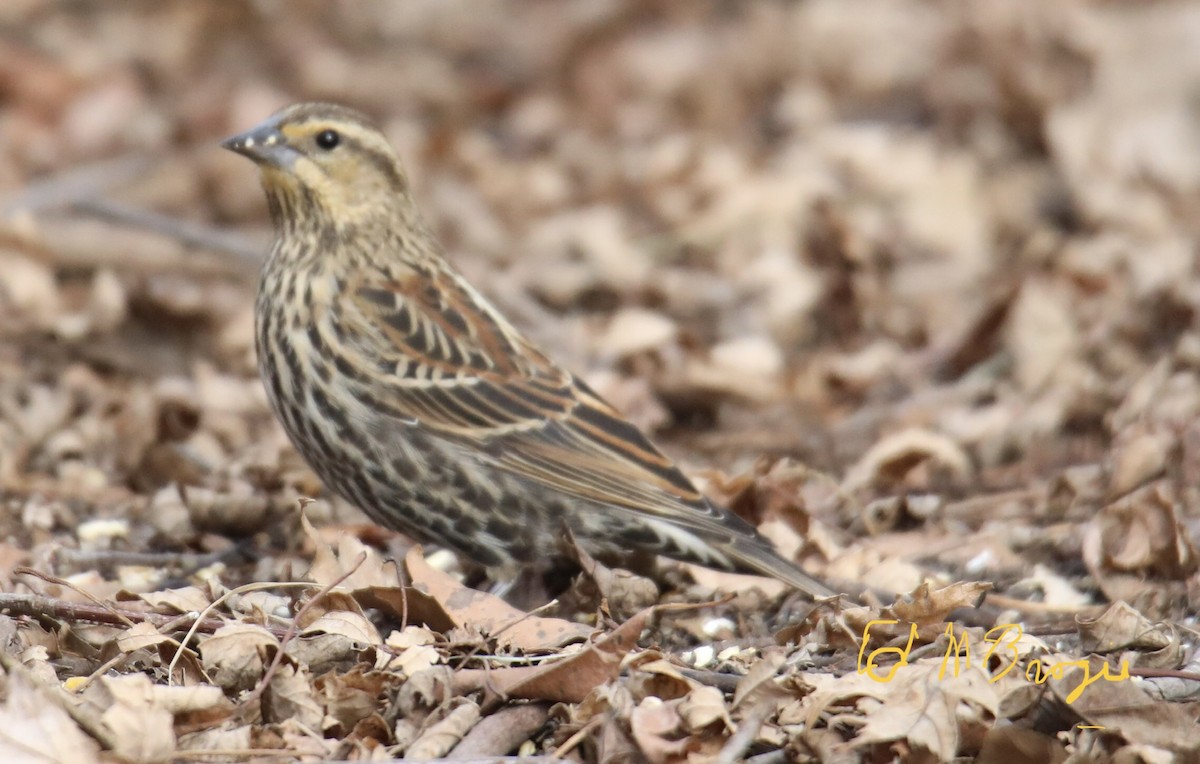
142	727
235	655
1142	532
656	729
890	460
702	708
290	695
35	730
1121	627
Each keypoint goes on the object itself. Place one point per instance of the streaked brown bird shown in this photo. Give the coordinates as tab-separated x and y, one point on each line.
413	398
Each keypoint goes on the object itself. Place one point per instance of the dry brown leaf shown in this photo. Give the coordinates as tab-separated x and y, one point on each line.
636	330
1012	744
890	460
409	651
703	707
179	699
34	730
290	696
1121	627
407	605
656	730
1123	708
921	708
330	565
1056	590
1138	456
1141	532
142	728
926	608
188	599
11	556
235	655
651	675
567	680
139	636
425	691
36	660
436	741
340	623
218	739
759	685
491	615
353	696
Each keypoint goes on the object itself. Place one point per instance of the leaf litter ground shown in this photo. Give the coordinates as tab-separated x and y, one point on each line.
911	286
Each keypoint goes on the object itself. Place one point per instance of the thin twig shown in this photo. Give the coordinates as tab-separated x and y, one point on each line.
188	232
75	184
41	605
48	578
106	559
1025	606
578	737
726	683
120	658
1157	673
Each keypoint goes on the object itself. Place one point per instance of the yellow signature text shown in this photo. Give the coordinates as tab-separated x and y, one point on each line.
1001	641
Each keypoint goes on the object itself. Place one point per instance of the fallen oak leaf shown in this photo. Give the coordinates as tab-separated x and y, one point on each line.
925	608
235	655
290	695
928	607
925	710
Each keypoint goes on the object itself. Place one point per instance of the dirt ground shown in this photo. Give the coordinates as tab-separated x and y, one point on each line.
911	285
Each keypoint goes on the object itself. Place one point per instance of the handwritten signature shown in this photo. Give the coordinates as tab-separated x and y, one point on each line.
1001	640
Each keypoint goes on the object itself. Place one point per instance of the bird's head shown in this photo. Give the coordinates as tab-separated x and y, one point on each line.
324	163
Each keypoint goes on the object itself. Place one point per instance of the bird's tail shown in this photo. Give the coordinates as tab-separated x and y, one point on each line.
765	561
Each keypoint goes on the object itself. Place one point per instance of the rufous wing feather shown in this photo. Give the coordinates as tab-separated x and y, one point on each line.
464	373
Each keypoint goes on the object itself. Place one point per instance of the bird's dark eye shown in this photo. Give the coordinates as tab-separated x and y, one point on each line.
328	139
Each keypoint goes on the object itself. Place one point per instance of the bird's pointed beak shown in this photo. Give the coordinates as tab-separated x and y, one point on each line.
264	144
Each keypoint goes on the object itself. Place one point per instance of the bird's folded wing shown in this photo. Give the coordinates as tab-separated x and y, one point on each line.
452	364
